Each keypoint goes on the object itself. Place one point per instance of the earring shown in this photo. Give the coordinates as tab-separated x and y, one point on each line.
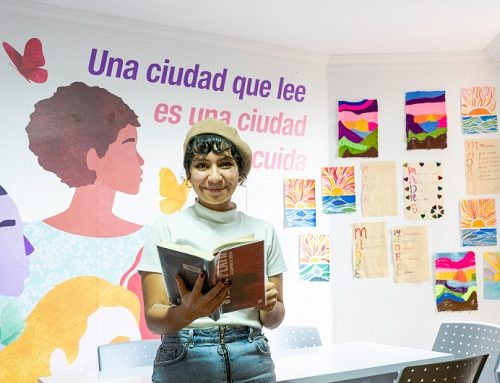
188	183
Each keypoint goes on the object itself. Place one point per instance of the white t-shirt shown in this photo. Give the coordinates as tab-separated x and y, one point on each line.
203	228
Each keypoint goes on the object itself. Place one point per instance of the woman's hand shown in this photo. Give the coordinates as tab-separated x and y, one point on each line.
272	314
271	296
195	304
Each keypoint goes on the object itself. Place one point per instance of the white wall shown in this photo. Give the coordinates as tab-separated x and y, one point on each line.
344	309
380	309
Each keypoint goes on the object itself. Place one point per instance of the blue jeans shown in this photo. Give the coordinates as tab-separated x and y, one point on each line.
214	355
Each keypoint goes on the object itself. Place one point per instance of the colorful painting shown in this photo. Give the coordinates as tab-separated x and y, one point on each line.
358	129
478	106
423	190
482	166
338	189
426	121
314	263
491	275
300	202
478	222
456	286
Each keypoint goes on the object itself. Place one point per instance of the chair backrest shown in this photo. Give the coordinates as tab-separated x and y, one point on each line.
119	356
290	337
465	370
466	339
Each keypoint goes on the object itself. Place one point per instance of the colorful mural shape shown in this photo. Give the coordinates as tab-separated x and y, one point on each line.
338	189
491	275
423	190
478	222
174	194
314	260
300	202
92	319
456	286
426	121
478	108
87	137
14	250
358	128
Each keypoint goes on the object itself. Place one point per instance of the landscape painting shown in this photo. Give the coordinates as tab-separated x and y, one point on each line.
358	128
426	120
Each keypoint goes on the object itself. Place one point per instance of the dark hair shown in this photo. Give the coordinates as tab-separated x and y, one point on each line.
77	118
206	143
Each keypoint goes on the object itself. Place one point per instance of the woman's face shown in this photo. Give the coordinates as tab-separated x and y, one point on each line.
120	167
214	178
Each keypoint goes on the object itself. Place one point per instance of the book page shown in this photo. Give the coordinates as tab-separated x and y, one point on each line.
379	188
369	247
410	254
234	242
187	249
482	166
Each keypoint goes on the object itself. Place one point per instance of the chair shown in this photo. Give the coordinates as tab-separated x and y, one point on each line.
290	337
116	357
466	339
465	370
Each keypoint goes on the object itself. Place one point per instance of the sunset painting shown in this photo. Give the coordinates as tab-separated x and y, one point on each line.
300	202
338	189
491	275
456	286
314	257
478	222
478	109
426	120
358	128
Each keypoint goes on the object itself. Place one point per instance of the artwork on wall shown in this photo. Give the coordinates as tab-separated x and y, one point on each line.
300	202
426	121
358	128
410	254
456	287
482	166
338	191
478	222
379	188
423	190
478	108
369	250
314	257
491	275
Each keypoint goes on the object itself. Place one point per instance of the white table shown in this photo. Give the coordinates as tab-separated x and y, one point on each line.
354	362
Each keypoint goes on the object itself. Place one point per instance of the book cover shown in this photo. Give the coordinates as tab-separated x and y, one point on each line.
240	261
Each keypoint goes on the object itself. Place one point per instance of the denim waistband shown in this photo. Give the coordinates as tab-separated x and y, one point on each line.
214	335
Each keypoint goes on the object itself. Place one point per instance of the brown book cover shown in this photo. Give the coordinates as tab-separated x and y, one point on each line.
242	261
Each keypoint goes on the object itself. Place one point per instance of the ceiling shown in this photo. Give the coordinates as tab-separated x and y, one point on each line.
330	27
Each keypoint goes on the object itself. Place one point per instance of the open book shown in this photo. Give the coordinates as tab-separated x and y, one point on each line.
240	260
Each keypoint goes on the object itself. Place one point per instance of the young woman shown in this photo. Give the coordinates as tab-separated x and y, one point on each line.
194	347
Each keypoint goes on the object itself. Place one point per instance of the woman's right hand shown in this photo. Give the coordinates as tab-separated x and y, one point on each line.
194	303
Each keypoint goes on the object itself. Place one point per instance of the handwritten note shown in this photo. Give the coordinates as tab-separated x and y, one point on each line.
379	188
410	254
369	245
482	166
423	190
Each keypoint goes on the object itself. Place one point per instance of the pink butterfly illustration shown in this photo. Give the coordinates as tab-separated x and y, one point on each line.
29	64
